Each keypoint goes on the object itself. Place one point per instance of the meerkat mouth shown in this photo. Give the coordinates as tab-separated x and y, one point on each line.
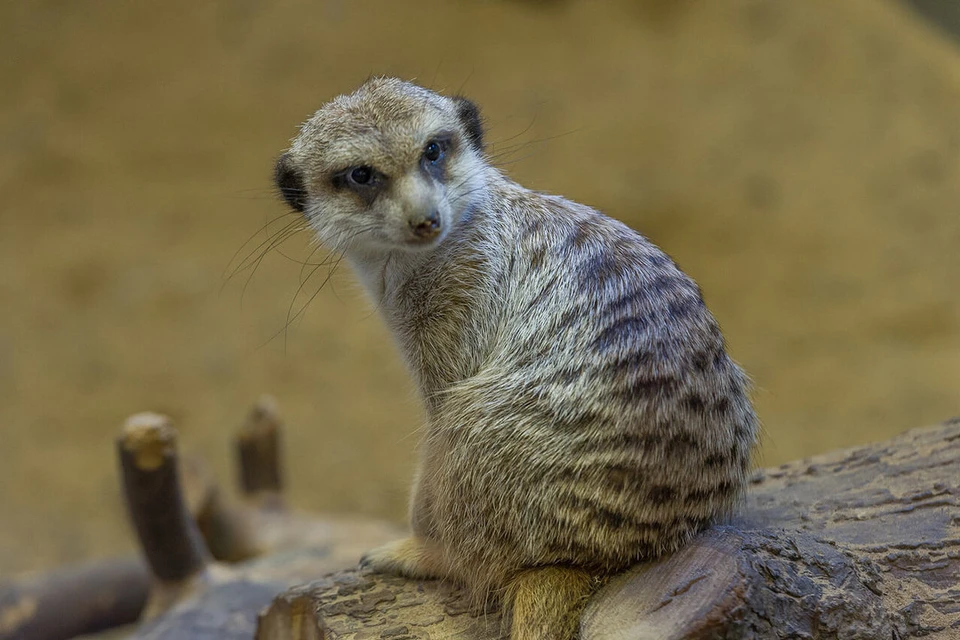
417	243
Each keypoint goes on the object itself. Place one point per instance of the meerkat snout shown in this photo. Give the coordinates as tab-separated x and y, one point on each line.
427	227
419	208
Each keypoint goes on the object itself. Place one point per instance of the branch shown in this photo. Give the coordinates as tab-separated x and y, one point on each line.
235	533
258	449
168	535
69	602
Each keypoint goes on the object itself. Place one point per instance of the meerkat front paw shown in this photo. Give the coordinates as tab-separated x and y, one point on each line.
409	557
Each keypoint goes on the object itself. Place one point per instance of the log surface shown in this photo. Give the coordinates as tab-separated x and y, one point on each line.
857	544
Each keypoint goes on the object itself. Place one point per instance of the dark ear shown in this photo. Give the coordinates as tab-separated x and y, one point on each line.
290	183
469	116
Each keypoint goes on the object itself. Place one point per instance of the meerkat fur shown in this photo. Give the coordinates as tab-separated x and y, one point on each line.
582	413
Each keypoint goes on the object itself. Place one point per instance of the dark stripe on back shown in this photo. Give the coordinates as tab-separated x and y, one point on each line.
647	291
566	377
715	459
607	517
720	491
693	402
644	387
661	495
532	226
622	333
600	268
578	237
685	309
537	256
633	442
547	289
682	443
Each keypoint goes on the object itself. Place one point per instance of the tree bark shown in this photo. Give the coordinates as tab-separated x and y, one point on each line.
856	544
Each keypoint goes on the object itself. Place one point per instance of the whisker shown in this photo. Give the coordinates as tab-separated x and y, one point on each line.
285	235
247	242
306	262
465	81
337	254
300	312
497	155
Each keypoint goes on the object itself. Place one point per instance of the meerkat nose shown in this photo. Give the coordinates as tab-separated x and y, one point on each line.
426	227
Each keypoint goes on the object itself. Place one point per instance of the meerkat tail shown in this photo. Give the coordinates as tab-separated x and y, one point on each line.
546	602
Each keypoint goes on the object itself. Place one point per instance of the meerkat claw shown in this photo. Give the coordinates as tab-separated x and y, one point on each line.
409	557
377	561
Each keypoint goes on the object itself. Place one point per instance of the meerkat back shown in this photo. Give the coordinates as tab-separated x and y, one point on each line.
582	411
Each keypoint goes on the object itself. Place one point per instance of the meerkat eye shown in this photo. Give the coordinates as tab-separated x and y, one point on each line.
433	151
361	175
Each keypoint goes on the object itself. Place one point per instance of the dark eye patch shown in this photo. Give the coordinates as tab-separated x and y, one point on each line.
363	180
360	176
357	178
290	183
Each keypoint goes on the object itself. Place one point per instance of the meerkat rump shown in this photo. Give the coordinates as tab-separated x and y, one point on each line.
582	411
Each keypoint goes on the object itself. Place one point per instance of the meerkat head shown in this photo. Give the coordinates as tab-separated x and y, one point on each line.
390	166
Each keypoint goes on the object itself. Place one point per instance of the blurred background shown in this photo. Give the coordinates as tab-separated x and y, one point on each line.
800	160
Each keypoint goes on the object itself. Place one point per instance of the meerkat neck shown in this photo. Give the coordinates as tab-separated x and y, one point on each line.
435	302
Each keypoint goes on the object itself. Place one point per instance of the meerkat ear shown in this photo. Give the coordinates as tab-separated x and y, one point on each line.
290	183
469	115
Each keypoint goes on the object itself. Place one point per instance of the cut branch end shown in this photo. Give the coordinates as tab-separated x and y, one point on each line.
258	448
168	535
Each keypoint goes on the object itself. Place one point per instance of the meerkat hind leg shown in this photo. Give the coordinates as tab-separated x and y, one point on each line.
411	557
546	602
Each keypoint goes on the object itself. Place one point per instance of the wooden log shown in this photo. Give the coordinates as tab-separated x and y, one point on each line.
99	595
165	491
862	543
169	538
228	608
232	532
69	602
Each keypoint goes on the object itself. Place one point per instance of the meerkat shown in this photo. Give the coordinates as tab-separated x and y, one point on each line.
582	413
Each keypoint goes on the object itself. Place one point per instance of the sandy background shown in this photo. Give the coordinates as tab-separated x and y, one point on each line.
801	160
